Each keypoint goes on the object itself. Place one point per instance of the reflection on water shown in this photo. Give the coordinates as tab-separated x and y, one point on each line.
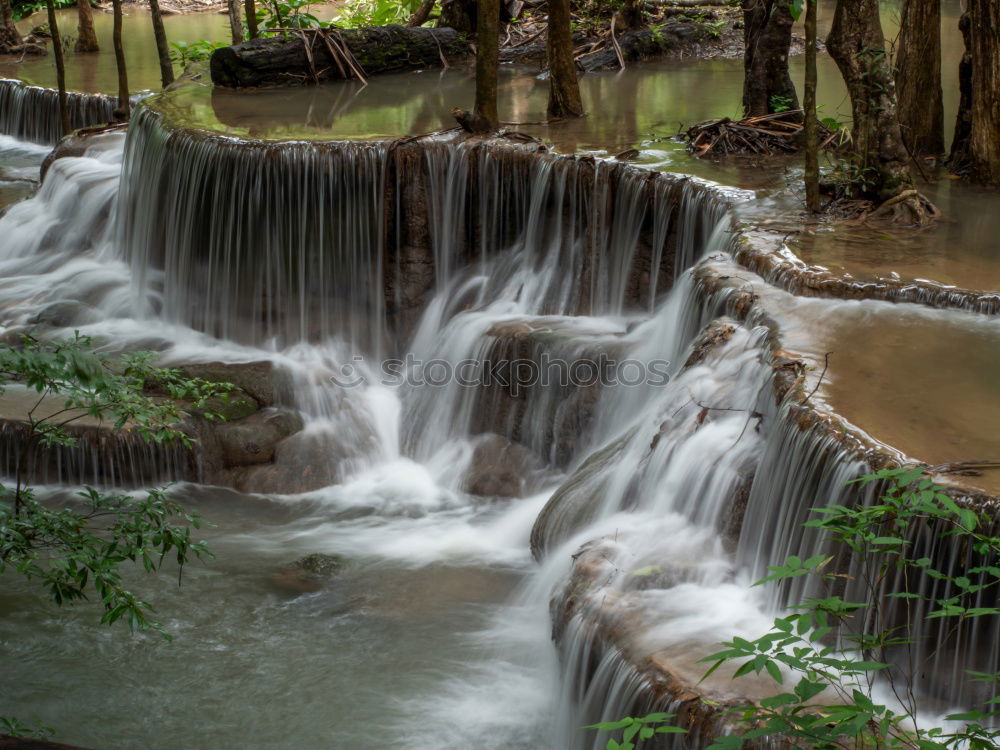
922	382
960	250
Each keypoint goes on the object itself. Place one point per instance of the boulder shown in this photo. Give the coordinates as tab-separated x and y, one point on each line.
252	440
500	468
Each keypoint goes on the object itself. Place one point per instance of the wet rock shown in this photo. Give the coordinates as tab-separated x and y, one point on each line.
256	379
76	144
301	463
717	333
308	574
64	314
500	468
252	440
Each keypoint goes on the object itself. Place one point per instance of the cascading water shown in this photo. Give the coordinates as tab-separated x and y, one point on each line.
651	505
32	112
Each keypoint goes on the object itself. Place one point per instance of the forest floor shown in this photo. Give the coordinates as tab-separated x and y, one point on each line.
703	32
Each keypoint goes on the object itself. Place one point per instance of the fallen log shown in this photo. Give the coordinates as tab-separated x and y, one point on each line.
641	44
310	55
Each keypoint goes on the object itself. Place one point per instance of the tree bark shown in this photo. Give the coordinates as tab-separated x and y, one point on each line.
57	52
162	49
487	63
10	39
767	36
86	37
857	45
459	15
918	78
235	23
122	111
811	131
631	14
250	8
422	13
984	133
564	88
958	160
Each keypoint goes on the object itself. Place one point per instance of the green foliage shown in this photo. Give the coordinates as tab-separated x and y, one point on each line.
643	728
376	12
14	727
834	664
713	29
287	14
780	103
79	549
24	9
185	53
796	9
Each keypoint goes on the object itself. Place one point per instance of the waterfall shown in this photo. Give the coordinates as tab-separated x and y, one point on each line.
32	112
204	253
655	502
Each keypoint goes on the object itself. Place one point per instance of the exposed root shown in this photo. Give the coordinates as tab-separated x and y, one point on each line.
910	208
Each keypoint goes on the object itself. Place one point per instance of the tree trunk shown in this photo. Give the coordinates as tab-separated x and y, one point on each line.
86	37
459	15
122	111
564	89
958	160
984	135
420	16
487	62
918	78
857	45
162	50
57	52
235	22
631	14
767	36
250	8
811	131
10	39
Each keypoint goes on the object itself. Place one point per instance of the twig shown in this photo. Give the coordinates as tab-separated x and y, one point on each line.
826	364
618	49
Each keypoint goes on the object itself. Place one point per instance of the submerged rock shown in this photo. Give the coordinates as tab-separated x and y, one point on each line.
309	573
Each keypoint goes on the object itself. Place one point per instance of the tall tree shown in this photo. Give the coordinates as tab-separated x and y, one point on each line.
857	45
918	78
487	62
983	44
162	50
10	39
235	22
250	7
57	52
767	36
122	110
564	89
86	37
811	131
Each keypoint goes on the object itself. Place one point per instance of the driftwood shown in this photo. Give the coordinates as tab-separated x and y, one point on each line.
779	132
310	56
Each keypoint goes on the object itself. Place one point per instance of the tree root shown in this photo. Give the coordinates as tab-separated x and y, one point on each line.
910	208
